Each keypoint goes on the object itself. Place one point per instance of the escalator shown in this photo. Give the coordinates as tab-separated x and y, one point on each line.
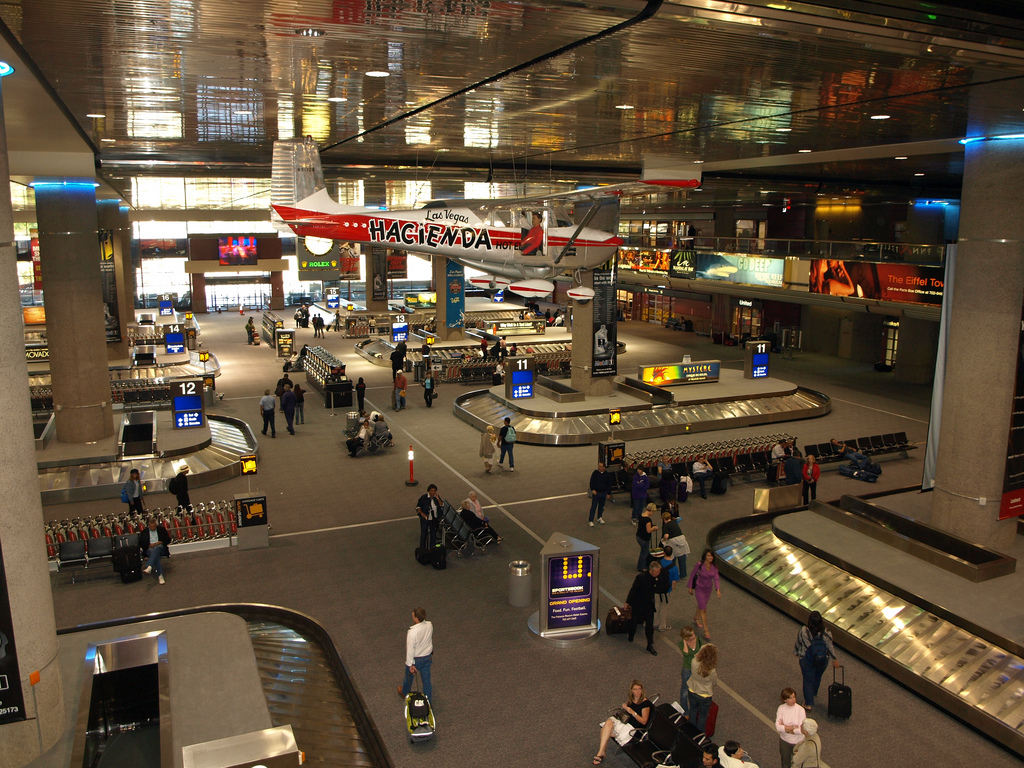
583	427
971	676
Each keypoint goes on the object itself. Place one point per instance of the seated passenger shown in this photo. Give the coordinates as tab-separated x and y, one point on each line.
355	443
473	514
381	433
153	543
702	472
636	711
848	452
732	755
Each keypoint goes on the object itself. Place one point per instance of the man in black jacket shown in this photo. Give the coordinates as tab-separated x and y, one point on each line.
641	601
600	490
430	507
179	487
154	544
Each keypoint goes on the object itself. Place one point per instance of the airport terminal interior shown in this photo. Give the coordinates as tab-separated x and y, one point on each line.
645	234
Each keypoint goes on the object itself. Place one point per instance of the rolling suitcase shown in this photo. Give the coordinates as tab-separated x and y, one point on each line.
422	556
720	483
712	721
128	562
840	697
419	717
618	620
439	557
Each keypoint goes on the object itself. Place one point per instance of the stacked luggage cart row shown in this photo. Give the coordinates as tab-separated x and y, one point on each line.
875	445
199	522
475	369
743	456
127	392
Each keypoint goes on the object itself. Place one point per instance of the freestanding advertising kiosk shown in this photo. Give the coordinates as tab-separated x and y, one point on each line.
568	592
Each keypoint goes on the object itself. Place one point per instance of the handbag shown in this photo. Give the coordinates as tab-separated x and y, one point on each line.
124	496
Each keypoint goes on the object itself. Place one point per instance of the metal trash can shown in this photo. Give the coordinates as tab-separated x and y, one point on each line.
352	423
520	584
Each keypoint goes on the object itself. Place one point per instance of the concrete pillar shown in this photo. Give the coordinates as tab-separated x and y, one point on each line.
439	267
70	258
198	283
276	291
583	346
915	353
21	522
114	219
988	285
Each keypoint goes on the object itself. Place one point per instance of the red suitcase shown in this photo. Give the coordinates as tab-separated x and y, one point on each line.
709	726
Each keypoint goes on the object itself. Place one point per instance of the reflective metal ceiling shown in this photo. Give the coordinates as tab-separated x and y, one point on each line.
192	87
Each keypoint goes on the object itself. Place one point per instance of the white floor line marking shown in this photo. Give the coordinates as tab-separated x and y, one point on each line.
342	527
480	492
887	413
534	501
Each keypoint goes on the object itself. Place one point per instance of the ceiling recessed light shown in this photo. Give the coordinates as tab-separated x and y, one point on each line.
783	130
804	151
378	73
902	157
95	115
698	162
109	141
919	174
880	117
624	106
336	98
310	32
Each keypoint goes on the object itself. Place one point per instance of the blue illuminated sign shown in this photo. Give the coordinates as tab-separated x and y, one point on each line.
521	391
188	403
333	302
187	419
499	296
760	366
399	332
174	343
166	308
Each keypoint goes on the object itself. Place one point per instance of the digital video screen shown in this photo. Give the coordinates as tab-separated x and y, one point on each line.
188	403
237	251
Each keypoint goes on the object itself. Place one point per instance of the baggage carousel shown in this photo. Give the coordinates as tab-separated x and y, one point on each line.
543	421
959	666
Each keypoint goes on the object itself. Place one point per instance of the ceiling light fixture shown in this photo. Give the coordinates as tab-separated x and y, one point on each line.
880	117
783	130
804	151
243	113
108	141
95	115
336	98
902	157
624	106
5	69
973	139
310	32
919	174
698	162
378	73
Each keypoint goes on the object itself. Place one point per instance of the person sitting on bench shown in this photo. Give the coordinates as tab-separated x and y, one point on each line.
355	443
474	516
847	452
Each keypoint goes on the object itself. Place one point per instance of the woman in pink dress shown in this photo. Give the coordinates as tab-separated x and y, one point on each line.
702	580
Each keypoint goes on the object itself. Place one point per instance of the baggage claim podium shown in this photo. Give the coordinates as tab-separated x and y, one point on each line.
568	593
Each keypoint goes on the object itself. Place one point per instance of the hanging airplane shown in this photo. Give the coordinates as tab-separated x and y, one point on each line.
519	242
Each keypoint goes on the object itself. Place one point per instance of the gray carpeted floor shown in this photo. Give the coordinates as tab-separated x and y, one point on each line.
343	538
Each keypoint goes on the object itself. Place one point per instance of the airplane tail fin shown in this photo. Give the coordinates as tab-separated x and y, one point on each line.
296	174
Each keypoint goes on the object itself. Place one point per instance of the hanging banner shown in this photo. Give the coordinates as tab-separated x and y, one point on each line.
37	264
684	265
378	264
906	283
455	296
111	313
398	265
348	263
603	362
12	699
1012	502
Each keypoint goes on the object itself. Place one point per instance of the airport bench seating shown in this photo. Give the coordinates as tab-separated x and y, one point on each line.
891	444
669	740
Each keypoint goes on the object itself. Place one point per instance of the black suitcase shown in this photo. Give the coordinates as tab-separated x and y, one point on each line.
128	562
720	483
840	697
439	557
422	556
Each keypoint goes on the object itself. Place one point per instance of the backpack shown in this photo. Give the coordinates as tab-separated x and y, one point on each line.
172	486
817	652
510	434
